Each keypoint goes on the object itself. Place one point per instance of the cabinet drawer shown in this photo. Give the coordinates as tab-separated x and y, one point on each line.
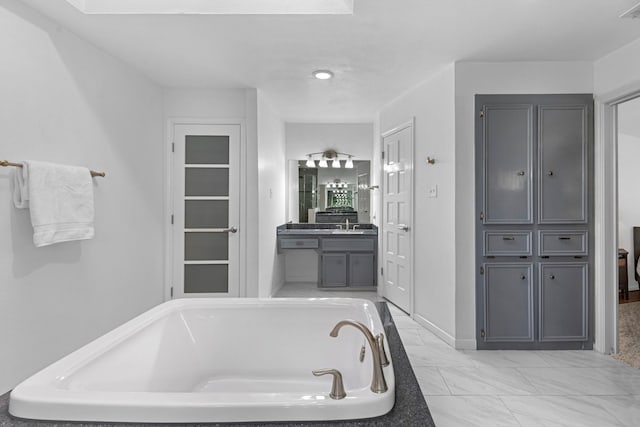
353	244
563	243
507	243
298	243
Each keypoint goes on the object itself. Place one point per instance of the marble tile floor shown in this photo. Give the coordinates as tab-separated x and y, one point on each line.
510	388
520	388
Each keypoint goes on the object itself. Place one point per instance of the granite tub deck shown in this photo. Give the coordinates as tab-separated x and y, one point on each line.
410	408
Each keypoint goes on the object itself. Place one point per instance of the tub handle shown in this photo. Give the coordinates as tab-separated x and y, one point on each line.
337	387
384	360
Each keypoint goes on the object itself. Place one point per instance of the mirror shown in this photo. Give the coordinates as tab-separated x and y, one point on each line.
330	195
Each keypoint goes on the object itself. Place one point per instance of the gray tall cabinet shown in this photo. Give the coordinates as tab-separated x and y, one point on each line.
534	173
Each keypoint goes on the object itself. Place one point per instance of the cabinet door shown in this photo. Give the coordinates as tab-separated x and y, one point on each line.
508	293
508	163
361	269
563	301
333	270
563	143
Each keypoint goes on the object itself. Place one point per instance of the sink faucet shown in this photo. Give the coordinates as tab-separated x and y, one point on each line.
347	224
355	226
378	383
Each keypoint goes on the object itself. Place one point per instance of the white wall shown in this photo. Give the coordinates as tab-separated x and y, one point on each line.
432	105
618	72
351	138
628	197
237	105
271	195
65	101
493	78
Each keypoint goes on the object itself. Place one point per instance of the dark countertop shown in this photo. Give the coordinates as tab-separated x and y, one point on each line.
409	410
326	230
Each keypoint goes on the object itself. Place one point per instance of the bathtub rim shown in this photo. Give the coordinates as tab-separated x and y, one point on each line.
38	388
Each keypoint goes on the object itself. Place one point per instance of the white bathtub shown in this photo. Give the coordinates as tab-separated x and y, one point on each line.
214	360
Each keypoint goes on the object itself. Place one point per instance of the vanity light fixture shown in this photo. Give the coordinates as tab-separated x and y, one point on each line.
323	74
331	155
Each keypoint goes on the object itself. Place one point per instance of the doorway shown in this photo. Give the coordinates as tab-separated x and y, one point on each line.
628	220
397	216
206	210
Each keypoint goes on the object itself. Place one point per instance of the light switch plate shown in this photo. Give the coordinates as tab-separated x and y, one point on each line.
432	192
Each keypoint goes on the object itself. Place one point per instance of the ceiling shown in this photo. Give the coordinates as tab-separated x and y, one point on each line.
385	48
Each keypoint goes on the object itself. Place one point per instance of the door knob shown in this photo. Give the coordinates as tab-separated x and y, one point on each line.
403	227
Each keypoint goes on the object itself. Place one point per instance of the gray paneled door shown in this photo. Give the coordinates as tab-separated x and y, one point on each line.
534	156
206	210
562	169
508	162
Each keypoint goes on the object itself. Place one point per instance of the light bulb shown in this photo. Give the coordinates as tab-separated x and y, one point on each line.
349	163
323	163
335	163
310	163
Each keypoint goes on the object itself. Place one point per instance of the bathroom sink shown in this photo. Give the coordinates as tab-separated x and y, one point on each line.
347	232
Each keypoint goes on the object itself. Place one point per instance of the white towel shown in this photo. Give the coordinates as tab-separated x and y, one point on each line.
60	200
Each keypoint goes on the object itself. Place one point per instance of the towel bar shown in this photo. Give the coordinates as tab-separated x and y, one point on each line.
19	165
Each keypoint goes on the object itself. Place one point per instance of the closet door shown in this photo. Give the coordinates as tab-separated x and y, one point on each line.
508	164
563	179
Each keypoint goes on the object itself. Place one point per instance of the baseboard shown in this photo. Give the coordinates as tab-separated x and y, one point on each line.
275	290
466	344
458	344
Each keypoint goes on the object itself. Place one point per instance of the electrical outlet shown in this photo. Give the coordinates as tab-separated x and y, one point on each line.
432	192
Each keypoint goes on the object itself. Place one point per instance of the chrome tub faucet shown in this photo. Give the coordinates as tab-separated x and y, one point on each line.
378	383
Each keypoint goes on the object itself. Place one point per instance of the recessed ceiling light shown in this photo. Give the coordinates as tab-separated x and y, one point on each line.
322	74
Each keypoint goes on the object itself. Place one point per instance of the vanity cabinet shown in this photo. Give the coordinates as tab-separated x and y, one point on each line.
347	259
534	173
348	262
333	270
362	269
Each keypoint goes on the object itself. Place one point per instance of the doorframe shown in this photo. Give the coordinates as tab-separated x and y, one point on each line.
606	226
409	123
168	193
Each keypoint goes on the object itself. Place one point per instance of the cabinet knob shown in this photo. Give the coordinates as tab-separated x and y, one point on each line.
552	277
550	173
521	173
523	277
